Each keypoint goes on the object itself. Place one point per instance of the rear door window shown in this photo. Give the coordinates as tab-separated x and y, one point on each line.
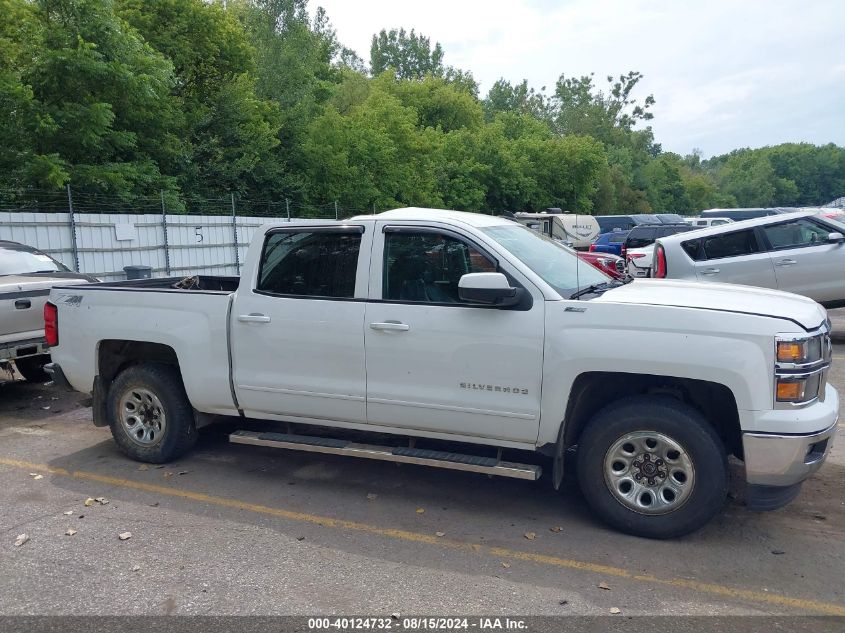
310	263
730	244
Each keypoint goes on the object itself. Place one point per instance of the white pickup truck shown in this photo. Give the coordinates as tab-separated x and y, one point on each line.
427	325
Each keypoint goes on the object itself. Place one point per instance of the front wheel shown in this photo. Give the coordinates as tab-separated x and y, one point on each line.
149	414
652	466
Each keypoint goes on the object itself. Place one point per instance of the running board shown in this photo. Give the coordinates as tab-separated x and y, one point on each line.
404	455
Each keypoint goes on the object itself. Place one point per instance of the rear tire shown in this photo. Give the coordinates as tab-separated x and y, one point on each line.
32	368
149	414
652	466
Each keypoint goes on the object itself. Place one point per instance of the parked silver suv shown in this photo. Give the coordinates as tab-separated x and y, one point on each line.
799	252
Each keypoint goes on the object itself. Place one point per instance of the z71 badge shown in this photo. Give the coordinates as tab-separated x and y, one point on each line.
494	388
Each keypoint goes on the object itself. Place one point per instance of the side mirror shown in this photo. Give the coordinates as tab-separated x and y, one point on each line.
491	289
835	237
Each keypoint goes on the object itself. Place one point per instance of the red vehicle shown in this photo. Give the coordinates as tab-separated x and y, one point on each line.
607	263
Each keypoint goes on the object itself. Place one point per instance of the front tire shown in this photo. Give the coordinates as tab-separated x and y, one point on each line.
652	466
149	414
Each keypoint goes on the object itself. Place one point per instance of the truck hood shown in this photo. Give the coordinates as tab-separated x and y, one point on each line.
720	297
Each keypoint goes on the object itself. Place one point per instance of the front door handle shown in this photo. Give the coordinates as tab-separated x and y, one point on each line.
253	317
786	262
394	326
710	271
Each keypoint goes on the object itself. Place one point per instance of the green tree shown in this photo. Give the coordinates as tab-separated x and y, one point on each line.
582	109
751	180
298	66
439	103
506	97
567	171
374	156
666	191
25	160
411	56
102	95
228	133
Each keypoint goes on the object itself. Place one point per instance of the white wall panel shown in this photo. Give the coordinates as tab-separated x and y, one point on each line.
197	244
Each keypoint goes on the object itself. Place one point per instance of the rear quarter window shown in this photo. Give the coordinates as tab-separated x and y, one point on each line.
693	249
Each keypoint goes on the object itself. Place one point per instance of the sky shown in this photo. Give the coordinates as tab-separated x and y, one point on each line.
724	73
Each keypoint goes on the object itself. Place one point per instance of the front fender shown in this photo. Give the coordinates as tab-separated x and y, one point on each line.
730	349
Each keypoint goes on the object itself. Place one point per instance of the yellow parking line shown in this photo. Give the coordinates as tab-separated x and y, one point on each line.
415	537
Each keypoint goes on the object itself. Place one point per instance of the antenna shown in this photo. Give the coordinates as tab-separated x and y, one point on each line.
577	259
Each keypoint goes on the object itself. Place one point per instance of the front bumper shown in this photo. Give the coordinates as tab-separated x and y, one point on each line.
785	460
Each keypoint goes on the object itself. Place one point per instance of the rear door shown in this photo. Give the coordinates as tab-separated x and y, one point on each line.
437	364
804	261
297	326
736	257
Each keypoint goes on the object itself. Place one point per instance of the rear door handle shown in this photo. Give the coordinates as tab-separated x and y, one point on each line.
710	271
786	262
23	304
253	317
395	326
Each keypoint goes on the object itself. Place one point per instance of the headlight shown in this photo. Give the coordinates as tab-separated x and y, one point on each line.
792	351
801	365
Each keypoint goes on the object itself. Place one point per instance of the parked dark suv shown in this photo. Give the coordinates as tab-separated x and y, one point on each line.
636	249
608	223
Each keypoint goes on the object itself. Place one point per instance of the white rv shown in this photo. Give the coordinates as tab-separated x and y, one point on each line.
576	229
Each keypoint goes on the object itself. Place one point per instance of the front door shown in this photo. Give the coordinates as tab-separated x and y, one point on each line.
435	363
804	261
297	328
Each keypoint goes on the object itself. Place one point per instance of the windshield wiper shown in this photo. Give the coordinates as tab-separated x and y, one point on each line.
602	287
591	289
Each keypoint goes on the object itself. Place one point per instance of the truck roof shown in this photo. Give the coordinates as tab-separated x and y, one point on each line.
479	220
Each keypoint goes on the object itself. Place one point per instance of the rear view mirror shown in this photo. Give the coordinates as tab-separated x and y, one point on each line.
835	237
491	289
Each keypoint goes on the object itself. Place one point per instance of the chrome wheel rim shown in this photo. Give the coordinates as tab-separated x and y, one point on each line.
649	472
142	416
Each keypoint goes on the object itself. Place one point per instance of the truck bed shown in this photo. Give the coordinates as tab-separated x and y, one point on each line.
189	315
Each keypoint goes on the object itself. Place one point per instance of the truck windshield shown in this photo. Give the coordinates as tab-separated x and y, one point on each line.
17	260
556	264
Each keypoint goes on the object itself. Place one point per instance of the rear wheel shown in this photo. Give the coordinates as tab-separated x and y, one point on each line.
32	367
149	414
652	466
